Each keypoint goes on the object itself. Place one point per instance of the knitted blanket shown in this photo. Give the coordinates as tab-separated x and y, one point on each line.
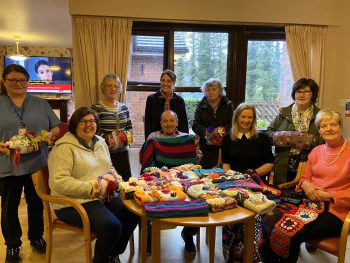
170	152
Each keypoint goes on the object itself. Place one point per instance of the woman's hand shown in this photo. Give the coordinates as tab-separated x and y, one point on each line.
315	193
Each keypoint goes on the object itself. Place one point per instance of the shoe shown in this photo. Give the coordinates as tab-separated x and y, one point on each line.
190	247
39	245
310	248
12	254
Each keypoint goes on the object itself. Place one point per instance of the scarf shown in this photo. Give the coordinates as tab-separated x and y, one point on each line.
301	121
167	98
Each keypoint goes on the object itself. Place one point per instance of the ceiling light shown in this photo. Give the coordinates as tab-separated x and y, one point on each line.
16	55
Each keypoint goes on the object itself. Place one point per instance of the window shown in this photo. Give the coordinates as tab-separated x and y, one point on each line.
251	61
198	56
268	78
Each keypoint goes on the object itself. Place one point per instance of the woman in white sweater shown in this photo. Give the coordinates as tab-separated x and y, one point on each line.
75	163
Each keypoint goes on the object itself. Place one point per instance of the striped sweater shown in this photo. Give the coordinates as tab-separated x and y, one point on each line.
113	118
169	151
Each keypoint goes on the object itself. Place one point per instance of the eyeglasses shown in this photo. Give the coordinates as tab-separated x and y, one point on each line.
20	81
87	122
304	92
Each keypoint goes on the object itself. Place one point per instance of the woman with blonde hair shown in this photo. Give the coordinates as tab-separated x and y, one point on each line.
245	149
248	151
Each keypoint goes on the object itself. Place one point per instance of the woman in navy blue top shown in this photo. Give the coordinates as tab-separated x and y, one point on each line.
22	112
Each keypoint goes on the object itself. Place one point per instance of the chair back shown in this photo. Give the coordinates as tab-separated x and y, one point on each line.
64	127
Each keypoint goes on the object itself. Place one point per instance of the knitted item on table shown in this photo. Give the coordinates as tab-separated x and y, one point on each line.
246	183
170	193
205	172
197	190
266	189
176	208
168	151
221	204
258	203
187	167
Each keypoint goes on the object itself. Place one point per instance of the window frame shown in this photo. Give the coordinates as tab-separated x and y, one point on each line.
238	37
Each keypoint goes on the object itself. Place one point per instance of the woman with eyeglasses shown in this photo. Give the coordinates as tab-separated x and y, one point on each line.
116	126
77	160
21	112
298	117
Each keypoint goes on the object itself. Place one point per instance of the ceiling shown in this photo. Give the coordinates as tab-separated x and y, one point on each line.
38	23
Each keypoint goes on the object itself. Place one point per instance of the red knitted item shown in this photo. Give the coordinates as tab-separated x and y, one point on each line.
289	225
280	243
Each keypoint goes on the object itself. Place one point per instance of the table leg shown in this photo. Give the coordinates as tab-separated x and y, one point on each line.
156	241
248	240
211	236
143	237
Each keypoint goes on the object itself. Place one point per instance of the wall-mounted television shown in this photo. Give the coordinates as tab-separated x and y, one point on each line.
47	74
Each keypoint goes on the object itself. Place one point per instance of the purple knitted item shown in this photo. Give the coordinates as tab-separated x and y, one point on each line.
176	208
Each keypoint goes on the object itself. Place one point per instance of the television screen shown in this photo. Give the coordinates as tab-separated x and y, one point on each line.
47	74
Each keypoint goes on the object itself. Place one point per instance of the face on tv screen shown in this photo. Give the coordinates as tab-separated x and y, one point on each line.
47	74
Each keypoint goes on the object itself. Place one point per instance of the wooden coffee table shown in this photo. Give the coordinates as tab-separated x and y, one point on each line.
228	217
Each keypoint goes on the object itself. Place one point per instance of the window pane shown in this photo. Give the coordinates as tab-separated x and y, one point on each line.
199	56
191	101
269	78
146	58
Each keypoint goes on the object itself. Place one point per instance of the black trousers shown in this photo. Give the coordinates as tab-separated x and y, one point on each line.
121	163
11	190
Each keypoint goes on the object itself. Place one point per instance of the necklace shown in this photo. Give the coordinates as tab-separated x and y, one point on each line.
337	155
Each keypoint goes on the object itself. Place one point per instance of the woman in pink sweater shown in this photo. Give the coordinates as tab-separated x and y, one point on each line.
326	184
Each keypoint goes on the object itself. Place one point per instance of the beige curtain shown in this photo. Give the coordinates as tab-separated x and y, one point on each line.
100	45
306	49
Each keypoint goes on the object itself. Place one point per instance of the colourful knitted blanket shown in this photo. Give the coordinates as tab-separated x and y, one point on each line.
284	222
176	208
170	152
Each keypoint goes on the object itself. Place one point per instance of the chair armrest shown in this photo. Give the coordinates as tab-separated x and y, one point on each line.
70	202
300	172
343	238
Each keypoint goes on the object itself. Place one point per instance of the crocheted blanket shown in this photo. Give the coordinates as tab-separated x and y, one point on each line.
170	152
286	220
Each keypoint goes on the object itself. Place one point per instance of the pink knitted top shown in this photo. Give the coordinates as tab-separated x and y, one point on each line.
332	175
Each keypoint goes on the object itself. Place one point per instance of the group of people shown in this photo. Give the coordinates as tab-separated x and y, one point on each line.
98	140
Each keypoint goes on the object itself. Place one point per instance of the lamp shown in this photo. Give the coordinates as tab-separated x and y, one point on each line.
16	55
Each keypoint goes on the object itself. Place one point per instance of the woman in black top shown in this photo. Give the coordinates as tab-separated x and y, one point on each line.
165	99
245	148
247	151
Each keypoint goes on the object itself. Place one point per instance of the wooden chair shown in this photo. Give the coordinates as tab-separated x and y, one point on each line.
334	245
40	180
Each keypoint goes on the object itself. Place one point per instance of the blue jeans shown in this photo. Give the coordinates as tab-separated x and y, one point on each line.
112	222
